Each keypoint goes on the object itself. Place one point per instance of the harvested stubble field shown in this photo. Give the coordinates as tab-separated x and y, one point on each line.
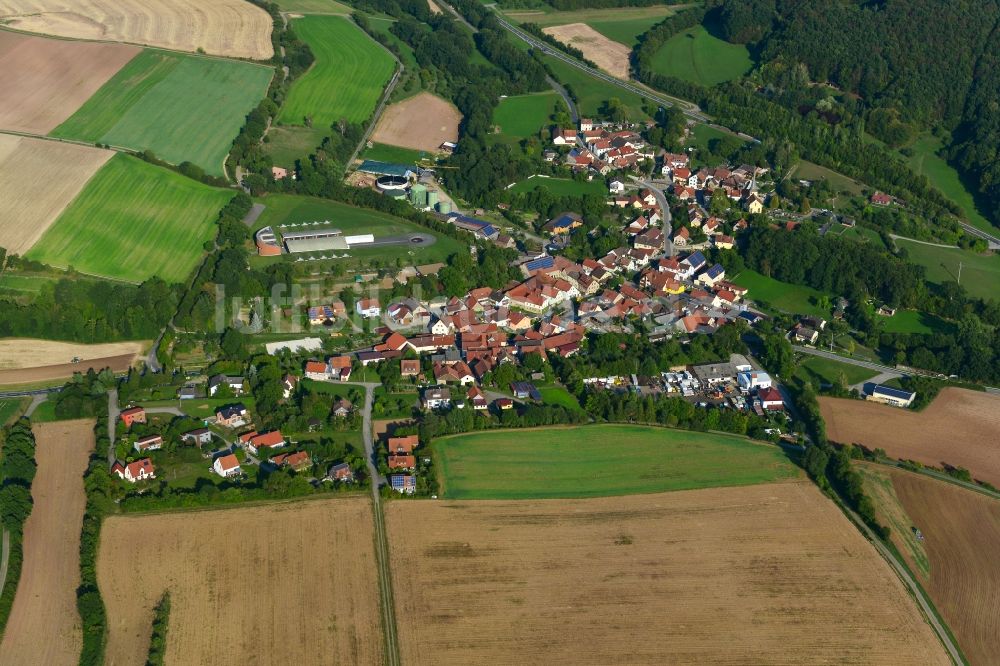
290	583
609	55
422	122
44	627
19	353
38	179
958	428
762	574
51	78
49	373
221	27
961	531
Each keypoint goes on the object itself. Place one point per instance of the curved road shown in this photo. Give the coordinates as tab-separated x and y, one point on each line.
661	199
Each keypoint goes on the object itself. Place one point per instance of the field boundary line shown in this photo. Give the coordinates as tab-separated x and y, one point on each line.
387	601
4	557
940	476
389	87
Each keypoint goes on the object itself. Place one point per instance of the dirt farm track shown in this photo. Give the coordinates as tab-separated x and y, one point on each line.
44	627
761	574
219	27
422	122
958	428
286	583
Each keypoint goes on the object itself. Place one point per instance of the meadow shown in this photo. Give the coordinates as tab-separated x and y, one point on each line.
591	93
980	272
925	160
397	154
522	116
814	369
10	408
806	170
914	321
696	55
599	460
152	222
183	108
561	187
777	295
345	81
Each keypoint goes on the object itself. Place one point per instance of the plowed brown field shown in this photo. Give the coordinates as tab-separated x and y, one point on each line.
38	179
220	27
289	583
44	627
768	574
609	55
961	531
422	122
960	428
47	80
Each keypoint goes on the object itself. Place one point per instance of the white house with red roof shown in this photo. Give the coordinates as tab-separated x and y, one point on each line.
226	466
140	470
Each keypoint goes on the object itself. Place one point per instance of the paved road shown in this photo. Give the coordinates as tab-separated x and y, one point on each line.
661	199
4	556
862	363
36	400
992	239
573	112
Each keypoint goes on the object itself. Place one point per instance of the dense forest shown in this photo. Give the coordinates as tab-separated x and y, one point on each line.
897	66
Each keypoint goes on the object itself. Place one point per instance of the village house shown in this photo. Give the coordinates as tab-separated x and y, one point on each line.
227	466
881	199
770	399
140	470
133	415
321	314
297	461
409	367
234	383
402	445
340	472
402	462
714	274
148	443
197	437
267	440
403	483
368	308
436	398
339	368
342	408
563	137
806	335
317	371
232	416
288	384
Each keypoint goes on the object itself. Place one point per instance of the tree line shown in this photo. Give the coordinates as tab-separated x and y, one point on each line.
17	471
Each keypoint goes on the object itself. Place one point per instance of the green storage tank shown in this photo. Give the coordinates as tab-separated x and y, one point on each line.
432	198
418	195
444	207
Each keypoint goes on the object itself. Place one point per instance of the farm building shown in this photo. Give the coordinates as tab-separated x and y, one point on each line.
267	242
891	396
377	168
314	240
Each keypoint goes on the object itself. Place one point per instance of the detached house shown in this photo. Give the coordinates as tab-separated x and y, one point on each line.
267	440
340	472
368	308
403	483
148	443
235	384
226	466
436	398
140	470
232	416
133	415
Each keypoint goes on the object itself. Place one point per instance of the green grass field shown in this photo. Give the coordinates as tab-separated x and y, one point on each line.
291	209
591	93
522	116
182	107
557	395
397	154
132	221
777	295
10	408
913	321
287	144
980	273
697	56
816	370
314	7
345	81
600	460
945	178
562	187
839	182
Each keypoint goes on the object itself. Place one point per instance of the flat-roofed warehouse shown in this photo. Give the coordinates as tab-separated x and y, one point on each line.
314	240
714	373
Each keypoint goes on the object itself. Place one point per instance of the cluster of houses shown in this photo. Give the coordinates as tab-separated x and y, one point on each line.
403	463
601	147
739	183
734	383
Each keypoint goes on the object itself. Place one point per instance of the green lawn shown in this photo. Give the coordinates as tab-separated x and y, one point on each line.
591	93
522	116
9	408
562	187
314	7
863	235
980	272
287	144
777	295
944	177
201	408
806	170
912	321
697	56
345	81
701	136
600	460
291	209
45	412
396	154
813	369
629	27
132	221
182	107
557	395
